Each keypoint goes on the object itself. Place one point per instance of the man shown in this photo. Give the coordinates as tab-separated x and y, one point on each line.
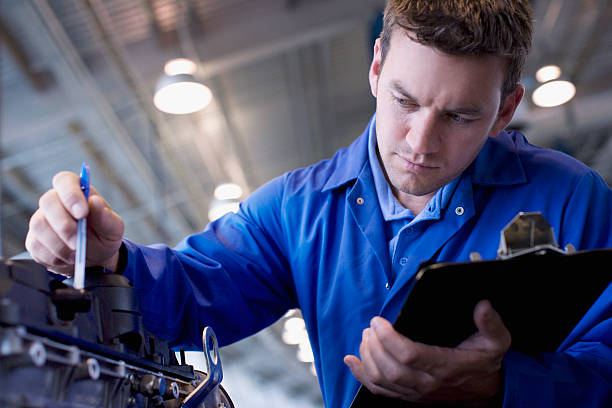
433	178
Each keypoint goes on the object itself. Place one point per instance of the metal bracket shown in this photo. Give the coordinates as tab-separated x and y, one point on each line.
213	365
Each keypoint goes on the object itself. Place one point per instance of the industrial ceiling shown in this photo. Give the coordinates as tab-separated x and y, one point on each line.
289	79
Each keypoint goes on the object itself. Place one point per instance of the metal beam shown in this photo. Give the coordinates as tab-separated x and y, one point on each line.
40	79
596	33
215	66
243	40
165	39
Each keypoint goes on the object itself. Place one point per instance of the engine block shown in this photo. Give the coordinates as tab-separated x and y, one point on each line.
60	347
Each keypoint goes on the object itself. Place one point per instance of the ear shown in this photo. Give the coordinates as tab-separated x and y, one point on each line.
375	68
511	102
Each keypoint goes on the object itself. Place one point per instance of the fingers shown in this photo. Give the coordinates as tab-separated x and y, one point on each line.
393	365
417	355
384	369
405	350
54	222
44	246
68	189
381	371
52	235
356	368
359	371
375	373
51	238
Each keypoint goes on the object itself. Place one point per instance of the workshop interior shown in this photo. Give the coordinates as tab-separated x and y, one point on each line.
273	85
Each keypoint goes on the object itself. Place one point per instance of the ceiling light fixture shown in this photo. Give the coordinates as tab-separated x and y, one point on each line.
178	92
548	73
553	91
228	191
180	66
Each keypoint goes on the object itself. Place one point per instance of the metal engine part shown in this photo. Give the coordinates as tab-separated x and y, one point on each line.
60	347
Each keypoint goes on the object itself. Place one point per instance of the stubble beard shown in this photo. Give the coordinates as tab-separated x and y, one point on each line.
411	184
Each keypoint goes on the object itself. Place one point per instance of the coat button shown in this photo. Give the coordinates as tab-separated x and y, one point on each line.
403	261
387	286
360	200
459	210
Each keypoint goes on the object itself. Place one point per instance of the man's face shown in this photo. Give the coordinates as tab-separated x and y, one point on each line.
434	113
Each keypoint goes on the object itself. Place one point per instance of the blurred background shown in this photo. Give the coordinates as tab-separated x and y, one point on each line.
271	85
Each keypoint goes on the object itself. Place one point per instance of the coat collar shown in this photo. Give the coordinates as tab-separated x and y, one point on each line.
498	162
349	162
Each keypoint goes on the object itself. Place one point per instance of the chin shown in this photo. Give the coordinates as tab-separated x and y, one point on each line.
415	190
414	184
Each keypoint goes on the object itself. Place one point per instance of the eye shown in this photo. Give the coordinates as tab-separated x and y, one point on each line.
405	102
455	117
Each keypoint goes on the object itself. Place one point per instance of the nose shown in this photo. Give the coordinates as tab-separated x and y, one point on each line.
422	136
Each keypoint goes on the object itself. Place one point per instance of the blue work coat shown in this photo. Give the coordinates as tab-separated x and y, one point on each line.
314	239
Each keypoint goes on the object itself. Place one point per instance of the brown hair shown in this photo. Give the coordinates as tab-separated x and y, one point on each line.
466	27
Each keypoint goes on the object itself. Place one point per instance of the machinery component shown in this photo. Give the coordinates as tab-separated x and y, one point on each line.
87	348
215	374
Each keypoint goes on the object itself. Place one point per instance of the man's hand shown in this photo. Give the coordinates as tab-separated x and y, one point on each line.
51	239
392	365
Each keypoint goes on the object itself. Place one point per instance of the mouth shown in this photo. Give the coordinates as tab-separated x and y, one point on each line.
416	165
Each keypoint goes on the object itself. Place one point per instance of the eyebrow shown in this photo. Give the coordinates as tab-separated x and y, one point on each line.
398	87
465	110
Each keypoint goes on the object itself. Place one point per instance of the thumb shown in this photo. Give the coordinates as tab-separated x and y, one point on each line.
491	326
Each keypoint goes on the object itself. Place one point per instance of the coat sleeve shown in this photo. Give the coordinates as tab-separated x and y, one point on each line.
233	276
579	374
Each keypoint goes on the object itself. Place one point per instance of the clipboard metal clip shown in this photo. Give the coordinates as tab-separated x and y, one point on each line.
528	233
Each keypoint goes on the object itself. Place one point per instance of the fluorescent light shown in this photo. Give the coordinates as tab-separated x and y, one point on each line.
181	94
548	73
228	191
553	93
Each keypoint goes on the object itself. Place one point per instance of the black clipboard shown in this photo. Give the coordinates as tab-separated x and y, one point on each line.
541	297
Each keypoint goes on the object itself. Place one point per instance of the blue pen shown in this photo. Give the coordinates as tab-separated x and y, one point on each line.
79	264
